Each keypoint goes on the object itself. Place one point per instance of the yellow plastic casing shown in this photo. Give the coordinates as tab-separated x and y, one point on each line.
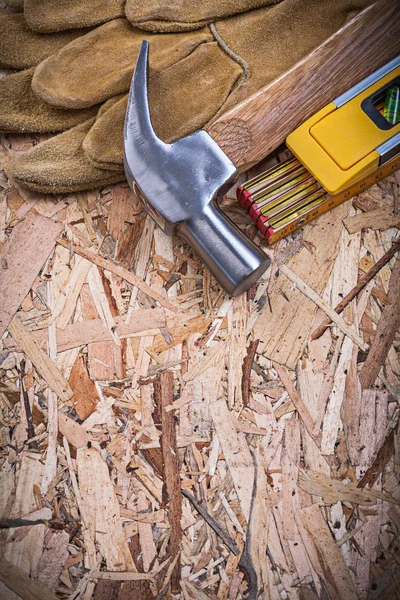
338	145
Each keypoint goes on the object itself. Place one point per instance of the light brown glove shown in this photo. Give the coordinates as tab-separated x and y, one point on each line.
56	169
272	40
21	48
58	15
254	48
181	15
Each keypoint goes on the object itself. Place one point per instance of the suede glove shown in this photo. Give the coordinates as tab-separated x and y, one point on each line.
173	92
265	43
58	15
176	58
188	88
21	48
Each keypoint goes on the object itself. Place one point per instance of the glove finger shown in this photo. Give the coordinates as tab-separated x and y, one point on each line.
99	65
57	15
22	111
177	108
156	15
59	165
22	48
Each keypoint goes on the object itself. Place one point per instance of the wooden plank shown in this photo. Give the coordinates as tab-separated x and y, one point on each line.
237	325
236	452
77	436
164	395
104	358
295	398
372	272
332	490
86	396
93	330
335	318
53	559
66	302
256	126
25	553
309	384
380	218
21	259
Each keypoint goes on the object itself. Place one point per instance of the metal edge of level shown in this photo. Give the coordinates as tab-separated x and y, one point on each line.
365	83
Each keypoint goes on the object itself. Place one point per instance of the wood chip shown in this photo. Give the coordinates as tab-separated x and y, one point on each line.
45	366
22	584
21	259
101	506
388	324
324	554
164	394
283	332
380	218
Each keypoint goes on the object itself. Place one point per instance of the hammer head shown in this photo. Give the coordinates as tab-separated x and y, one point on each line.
178	180
178	184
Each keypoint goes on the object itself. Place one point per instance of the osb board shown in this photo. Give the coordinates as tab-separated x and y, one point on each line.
166	441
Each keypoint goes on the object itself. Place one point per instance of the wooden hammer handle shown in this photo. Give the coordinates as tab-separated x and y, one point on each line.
256	126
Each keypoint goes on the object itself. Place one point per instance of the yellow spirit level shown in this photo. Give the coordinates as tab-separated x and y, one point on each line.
343	149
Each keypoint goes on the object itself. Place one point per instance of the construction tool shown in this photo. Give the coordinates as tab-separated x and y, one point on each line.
346	147
179	183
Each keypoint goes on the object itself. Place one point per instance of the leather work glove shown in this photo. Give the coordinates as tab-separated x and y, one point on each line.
58	15
265	50
194	77
42	169
22	48
173	92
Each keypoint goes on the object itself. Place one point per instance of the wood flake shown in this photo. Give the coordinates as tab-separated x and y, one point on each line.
21	259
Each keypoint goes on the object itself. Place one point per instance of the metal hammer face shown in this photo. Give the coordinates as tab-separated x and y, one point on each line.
178	185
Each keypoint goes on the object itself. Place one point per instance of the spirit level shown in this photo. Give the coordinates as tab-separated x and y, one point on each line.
342	150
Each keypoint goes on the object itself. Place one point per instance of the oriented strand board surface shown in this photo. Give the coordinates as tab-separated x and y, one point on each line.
161	440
